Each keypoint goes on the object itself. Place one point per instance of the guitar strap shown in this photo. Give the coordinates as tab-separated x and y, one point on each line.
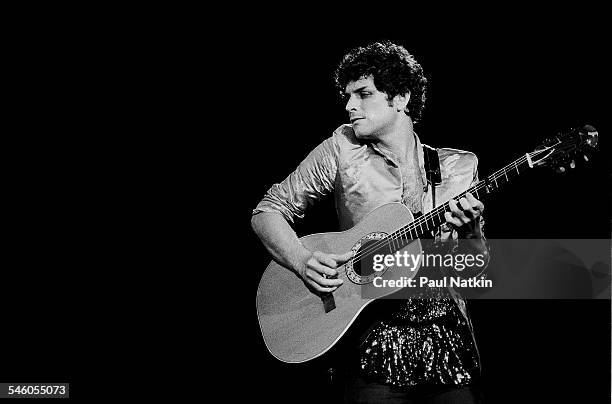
432	170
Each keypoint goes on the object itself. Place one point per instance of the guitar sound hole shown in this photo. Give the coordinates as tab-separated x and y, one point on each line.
365	265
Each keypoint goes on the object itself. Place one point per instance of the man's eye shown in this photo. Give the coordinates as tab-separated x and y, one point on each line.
365	94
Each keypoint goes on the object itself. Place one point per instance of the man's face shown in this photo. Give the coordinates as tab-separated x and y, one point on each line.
369	110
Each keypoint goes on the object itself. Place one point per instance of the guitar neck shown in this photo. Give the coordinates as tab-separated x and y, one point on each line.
430	221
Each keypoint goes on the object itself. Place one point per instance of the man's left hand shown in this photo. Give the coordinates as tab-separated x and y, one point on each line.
465	216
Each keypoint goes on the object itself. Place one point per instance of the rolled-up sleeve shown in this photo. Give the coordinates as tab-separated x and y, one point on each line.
311	180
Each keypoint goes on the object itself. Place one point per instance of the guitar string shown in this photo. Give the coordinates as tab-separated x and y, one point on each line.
423	219
384	242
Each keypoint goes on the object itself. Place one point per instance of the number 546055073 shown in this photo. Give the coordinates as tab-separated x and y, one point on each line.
36	390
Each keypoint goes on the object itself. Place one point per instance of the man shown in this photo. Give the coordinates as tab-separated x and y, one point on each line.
421	347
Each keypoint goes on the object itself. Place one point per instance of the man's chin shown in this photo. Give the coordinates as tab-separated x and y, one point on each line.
360	134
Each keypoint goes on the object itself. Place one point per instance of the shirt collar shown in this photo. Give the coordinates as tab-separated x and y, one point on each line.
389	155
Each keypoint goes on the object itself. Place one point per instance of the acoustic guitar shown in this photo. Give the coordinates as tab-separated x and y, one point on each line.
299	324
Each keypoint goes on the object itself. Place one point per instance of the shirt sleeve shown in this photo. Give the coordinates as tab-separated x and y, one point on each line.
312	179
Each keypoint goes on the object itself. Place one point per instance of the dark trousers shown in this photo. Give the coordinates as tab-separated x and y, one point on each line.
359	391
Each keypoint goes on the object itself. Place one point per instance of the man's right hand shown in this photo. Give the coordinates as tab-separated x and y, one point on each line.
319	270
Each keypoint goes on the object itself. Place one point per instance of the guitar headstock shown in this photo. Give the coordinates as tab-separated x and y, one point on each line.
561	152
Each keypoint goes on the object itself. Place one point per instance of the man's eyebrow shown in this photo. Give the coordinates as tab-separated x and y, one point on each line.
357	90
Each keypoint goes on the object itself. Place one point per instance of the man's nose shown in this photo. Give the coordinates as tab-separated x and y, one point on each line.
351	104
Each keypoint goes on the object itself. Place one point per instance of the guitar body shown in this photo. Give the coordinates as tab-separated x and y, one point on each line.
299	324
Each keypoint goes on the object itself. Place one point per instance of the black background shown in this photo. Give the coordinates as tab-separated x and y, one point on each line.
115	115
497	91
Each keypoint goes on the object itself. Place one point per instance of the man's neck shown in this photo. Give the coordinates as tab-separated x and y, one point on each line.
400	141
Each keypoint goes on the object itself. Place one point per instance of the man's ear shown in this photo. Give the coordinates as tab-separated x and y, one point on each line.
401	102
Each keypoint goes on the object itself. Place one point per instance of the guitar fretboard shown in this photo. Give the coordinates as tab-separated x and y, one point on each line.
427	223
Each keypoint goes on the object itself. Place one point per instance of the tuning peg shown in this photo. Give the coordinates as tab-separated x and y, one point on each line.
585	157
561	169
573	164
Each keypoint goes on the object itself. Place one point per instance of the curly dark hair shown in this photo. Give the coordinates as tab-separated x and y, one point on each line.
393	69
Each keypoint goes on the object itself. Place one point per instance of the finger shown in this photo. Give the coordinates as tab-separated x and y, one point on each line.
316	277
452	204
456	212
342	258
452	219
317	266
468	211
476	204
321	289
464	204
325	259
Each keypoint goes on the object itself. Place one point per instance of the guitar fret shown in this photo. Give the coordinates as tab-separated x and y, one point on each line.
434	218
